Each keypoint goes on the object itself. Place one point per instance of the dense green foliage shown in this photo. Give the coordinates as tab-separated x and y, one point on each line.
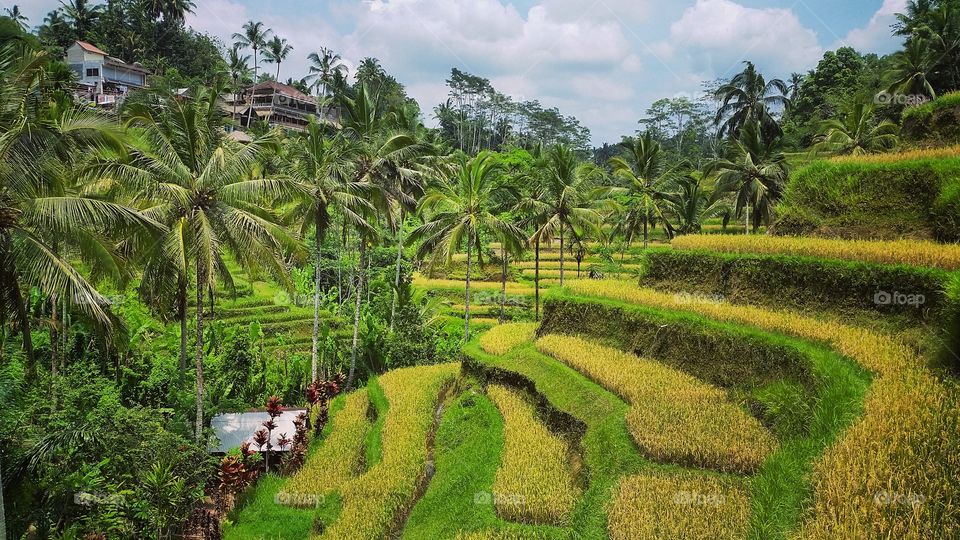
911	197
801	282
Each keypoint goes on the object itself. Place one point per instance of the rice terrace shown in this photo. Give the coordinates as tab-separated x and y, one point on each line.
479	269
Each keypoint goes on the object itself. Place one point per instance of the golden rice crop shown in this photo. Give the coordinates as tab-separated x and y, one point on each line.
675	506
673	417
903	450
501	339
337	461
534	483
512	287
912	252
909	155
372	502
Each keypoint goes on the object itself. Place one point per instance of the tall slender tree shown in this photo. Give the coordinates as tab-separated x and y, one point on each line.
189	176
749	97
323	65
648	182
276	51
460	213
254	37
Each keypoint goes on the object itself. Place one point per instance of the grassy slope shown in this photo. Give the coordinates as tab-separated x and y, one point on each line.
374	441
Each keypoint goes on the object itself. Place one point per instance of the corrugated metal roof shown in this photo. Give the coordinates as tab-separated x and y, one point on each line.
233	429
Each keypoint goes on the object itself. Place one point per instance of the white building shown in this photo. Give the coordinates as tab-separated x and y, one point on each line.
104	79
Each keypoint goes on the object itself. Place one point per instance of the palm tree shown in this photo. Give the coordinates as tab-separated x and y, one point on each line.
567	199
254	37
377	156
323	65
749	97
648	181
322	167
82	15
692	205
911	68
756	171
170	10
857	133
189	176
276	52
45	225
239	70
17	16
460	214
796	83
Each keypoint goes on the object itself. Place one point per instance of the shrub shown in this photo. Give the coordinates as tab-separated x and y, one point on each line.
907	252
905	446
533	483
886	197
374	502
934	122
674	417
672	506
501	339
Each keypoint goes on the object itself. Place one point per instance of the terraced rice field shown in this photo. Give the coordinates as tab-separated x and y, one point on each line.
674	418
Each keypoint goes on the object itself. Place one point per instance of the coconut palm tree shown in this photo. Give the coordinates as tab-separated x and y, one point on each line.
857	133
377	155
748	97
254	36
17	16
45	225
648	181
189	176
277	51
323	65
238	68
568	199
692	205
911	70
756	172
81	15
322	168
170	10
460	213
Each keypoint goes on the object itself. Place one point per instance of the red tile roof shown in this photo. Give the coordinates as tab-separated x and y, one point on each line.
284	89
90	48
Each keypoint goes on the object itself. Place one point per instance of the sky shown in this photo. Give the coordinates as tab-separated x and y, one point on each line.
603	61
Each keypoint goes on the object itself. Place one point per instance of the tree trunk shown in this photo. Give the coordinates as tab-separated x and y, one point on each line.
561	253
358	293
536	275
746	223
319	230
256	69
466	296
646	232
54	349
503	281
3	516
182	301
199	352
396	279
23	313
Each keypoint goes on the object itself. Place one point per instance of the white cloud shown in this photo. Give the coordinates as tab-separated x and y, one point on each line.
717	35
877	36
